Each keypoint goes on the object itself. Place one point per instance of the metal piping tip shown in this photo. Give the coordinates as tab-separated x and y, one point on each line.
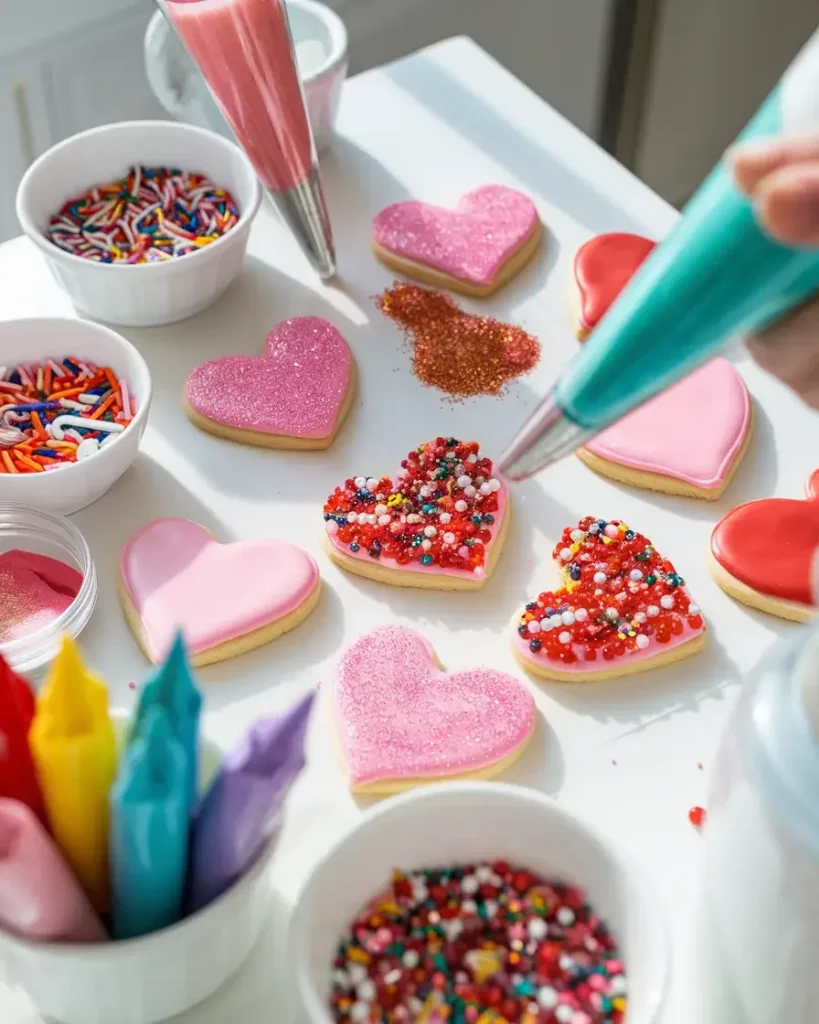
304	210
548	435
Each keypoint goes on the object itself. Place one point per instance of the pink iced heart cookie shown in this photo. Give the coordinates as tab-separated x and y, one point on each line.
296	396
474	249
402	721
226	598
688	440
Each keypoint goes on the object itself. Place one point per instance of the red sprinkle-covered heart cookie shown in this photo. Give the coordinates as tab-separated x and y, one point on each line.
602	268
474	249
762	553
623	608
439	523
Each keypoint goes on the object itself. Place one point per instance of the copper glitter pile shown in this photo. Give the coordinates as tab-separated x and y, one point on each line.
457	352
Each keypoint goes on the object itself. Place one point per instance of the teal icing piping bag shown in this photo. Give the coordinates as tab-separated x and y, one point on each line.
717	275
173	687
150	823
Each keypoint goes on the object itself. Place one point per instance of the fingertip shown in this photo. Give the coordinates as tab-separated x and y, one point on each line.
787	204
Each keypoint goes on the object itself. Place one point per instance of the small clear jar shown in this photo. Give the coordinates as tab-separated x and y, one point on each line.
44	533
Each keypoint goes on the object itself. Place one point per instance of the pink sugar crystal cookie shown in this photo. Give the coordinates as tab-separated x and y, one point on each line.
474	249
226	598
688	440
295	396
402	721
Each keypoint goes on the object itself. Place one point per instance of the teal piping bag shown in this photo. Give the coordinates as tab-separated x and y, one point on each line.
717	275
150	824
173	688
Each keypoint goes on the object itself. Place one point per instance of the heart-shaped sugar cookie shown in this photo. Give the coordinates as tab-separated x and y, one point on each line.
295	396
602	268
688	440
474	249
439	523
401	721
623	609
226	598
762	553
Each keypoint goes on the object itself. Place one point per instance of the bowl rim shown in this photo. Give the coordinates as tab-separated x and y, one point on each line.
107	451
309	997
126	948
52	251
340	42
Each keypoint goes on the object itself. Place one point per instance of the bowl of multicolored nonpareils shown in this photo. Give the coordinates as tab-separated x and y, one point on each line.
480	903
143	222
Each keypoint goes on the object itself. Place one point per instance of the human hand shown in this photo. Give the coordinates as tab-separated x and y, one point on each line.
781	177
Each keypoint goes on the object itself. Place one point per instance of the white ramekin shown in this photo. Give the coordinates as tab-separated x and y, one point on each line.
145	980
150	294
182	91
464	822
73	487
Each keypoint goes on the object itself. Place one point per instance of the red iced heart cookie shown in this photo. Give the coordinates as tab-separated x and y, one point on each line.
762	552
688	440
226	598
473	249
439	524
295	396
602	268
401	721
623	609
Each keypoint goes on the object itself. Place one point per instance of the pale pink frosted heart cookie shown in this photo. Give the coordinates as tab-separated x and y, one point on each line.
623	608
439	523
402	721
226	598
473	249
296	396
688	440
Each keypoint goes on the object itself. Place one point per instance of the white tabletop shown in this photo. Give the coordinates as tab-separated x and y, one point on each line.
627	753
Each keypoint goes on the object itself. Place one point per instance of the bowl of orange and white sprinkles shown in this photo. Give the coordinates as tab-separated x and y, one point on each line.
74	400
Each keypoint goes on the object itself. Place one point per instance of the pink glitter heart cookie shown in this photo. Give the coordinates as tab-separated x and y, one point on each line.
402	721
295	396
226	598
474	249
688	440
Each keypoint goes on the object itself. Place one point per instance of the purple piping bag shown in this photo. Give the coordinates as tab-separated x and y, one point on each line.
243	806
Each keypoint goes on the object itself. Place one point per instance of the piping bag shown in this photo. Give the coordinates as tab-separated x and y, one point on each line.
150	821
244	804
18	776
715	276
39	897
244	50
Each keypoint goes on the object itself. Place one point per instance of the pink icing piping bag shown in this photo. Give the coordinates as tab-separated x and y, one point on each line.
39	897
244	804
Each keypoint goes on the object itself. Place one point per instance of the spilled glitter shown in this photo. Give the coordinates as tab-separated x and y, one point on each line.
457	352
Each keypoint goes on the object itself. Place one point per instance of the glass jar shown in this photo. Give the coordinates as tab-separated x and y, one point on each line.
44	533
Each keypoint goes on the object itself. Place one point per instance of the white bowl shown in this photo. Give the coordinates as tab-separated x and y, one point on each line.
465	822
320	40
77	485
143	295
141	981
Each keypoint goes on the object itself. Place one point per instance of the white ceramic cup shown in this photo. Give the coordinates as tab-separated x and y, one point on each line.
77	485
464	822
320	41
145	980
148	294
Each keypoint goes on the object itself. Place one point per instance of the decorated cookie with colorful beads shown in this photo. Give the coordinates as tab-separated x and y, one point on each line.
226	598
439	523
474	249
688	440
295	396
762	554
483	943
602	267
401	721
623	608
